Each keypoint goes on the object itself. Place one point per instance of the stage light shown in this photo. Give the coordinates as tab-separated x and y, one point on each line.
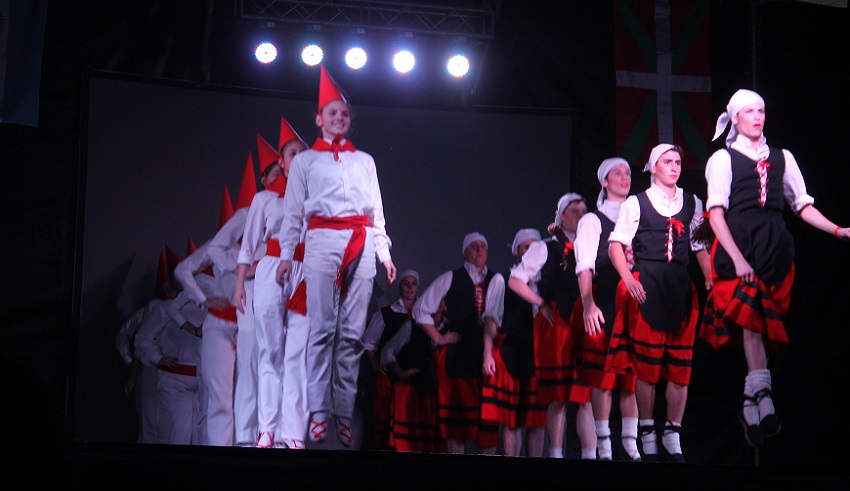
458	66
403	61
312	55
265	53
355	58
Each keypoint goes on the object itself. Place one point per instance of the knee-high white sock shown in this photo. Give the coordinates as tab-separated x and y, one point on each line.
603	440
670	438
629	435
556	453
648	440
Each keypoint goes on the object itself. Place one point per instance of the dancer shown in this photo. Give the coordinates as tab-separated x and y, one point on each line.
753	254
333	188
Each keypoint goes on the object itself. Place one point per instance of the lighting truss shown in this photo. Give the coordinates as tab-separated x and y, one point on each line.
470	24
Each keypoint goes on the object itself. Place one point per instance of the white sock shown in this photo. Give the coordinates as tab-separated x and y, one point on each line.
648	441
556	453
761	381
670	439
603	440
588	454
751	409
629	435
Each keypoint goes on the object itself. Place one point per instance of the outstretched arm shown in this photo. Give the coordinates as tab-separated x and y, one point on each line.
815	218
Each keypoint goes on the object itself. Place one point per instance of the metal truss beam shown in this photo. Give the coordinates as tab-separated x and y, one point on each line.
402	17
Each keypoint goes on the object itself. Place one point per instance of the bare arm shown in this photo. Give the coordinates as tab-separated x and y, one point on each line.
524	291
815	218
704	261
743	269
490	330
593	318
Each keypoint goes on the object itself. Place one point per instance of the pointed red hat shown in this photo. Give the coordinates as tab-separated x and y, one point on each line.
161	271
287	134
171	258
268	155
190	247
226	208
328	90
248	187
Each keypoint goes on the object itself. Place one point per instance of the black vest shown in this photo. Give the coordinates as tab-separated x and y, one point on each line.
518	327
392	322
558	279
606	277
759	232
667	284
465	358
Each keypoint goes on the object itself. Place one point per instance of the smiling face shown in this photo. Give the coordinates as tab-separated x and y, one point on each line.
618	182
572	214
750	121
334	119
668	169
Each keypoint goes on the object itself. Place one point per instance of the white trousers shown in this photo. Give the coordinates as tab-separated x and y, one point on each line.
268	320
295	411
218	364
337	321
147	407
179	409
245	395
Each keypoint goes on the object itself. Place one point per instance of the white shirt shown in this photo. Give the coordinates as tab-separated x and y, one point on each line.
319	185
629	218
186	269
373	332
224	246
261	223
527	270
718	174
588	235
429	302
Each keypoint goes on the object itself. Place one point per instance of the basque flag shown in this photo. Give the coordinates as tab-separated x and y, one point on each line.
663	75
22	24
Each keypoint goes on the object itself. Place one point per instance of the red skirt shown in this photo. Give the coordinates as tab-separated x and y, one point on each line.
414	420
508	399
459	407
732	306
556	349
594	355
650	353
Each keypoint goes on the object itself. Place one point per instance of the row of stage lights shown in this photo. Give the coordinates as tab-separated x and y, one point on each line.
356	58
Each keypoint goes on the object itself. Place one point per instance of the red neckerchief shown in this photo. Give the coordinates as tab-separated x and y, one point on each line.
568	247
278	185
322	146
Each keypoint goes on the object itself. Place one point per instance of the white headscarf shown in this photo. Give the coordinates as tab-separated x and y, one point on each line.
656	154
739	100
470	238
406	273
564	202
601	173
523	235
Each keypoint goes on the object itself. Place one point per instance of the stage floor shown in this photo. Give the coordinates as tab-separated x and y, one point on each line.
136	466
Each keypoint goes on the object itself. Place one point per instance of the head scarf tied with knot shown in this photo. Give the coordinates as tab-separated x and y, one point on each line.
523	235
470	238
563	203
602	173
656	154
406	273
739	100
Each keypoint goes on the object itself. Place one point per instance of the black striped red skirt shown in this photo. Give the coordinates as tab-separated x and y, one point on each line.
508	399
414	420
459	407
732	306
556	349
594	354
650	353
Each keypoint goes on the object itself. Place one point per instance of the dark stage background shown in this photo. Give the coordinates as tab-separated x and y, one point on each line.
542	66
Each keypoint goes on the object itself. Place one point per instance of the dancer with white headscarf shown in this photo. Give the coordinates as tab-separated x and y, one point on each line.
749	183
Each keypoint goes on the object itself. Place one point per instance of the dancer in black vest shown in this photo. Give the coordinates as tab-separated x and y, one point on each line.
598	281
753	256
461	347
655	323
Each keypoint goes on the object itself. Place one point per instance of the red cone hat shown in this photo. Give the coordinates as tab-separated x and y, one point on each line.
328	90
161	271
226	208
248	187
287	133
268	155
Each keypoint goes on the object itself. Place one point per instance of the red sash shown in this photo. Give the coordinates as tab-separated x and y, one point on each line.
273	248
358	224
228	314
181	369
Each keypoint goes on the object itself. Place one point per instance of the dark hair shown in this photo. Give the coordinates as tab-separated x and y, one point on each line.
268	168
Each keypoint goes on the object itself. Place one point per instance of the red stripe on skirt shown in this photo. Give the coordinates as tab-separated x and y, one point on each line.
508	399
414	418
